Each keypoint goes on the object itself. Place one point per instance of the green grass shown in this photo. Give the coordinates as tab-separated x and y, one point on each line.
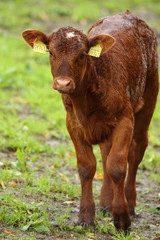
32	13
35	151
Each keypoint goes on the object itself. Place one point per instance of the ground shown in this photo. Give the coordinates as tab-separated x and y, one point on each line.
58	197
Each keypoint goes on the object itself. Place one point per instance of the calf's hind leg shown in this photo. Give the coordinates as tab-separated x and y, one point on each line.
107	188
140	140
138	146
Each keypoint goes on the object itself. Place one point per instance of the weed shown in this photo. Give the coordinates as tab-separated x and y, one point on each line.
23	157
122	236
61	219
16	212
44	184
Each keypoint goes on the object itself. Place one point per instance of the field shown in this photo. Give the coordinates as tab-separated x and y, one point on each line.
39	184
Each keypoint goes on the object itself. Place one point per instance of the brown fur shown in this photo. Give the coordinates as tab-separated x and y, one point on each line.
109	101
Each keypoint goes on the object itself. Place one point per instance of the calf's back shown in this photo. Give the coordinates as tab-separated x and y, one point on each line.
126	67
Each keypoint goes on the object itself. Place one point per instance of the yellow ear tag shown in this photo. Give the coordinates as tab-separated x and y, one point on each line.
39	47
95	51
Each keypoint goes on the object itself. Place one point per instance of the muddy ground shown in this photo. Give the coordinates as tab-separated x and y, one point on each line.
145	225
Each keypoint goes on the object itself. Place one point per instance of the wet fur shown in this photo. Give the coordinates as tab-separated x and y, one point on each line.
109	101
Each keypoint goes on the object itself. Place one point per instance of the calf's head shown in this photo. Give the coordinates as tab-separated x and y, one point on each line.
68	49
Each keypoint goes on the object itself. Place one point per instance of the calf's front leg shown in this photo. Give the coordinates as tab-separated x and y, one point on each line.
86	163
116	168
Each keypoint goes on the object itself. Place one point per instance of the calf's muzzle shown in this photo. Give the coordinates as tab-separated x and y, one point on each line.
64	85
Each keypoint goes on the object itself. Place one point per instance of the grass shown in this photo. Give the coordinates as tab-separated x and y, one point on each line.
33	13
39	185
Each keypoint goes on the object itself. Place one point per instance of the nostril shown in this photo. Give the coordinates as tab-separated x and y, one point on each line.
68	84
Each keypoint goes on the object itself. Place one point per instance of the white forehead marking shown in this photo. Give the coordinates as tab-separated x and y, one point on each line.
70	35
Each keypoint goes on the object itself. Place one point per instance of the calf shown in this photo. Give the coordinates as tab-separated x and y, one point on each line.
109	100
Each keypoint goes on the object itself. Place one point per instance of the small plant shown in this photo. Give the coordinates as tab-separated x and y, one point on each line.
105	225
16	212
61	219
122	236
44	184
22	159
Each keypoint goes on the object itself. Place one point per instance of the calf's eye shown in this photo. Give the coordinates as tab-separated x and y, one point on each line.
52	55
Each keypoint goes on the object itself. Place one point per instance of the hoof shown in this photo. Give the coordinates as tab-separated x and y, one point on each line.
88	222
86	217
122	221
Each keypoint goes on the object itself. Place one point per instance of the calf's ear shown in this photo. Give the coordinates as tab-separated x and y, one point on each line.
106	41
31	36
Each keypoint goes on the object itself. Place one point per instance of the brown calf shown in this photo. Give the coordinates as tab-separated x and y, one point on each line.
109	101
